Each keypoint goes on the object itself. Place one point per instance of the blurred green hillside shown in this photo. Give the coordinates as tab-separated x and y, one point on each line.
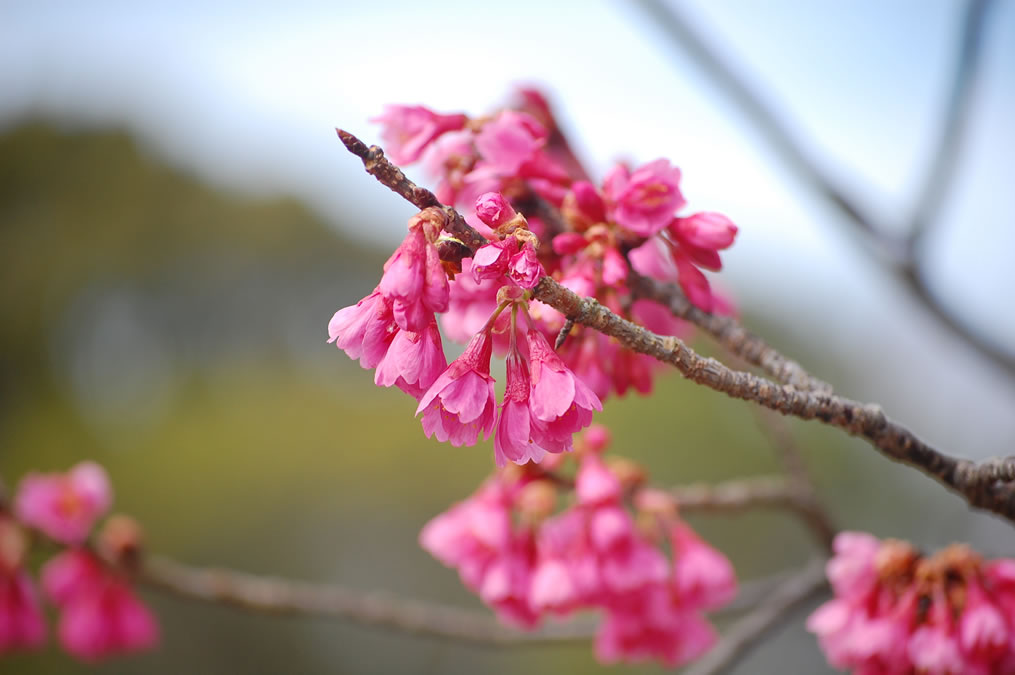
176	334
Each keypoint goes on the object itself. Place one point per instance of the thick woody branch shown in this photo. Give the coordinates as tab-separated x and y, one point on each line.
986	486
750	629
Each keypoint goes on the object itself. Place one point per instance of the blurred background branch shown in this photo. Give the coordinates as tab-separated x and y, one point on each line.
901	254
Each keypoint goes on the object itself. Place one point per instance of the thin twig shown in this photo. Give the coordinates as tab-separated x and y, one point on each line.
792	460
275	595
986	486
898	253
750	629
953	129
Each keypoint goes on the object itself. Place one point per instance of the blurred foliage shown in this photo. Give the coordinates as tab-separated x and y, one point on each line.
266	449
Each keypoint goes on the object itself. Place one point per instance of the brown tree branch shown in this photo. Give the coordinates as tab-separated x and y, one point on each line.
275	595
986	486
899	254
750	629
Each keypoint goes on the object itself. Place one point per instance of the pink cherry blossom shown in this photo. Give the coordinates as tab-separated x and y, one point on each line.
702	576
513	440
413	361
524	268
491	261
509	141
100	615
643	202
64	506
21	620
365	330
706	230
414	278
460	405
560	402
408	130
450	160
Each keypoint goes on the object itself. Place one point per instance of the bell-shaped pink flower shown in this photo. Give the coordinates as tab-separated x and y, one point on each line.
560	402
365	330
21	621
100	614
460	404
414	278
643	202
64	506
413	361
471	534
702	576
513	441
408	130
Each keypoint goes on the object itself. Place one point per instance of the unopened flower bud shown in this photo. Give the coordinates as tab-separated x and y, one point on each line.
120	541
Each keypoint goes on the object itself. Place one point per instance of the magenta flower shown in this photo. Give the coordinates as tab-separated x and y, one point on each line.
702	576
64	506
560	403
524	267
509	141
460	404
471	534
413	361
644	202
652	624
365	330
414	278
408	130
100	615
896	612
513	440
21	621
491	261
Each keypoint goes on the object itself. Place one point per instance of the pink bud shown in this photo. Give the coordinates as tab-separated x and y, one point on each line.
493	209
705	230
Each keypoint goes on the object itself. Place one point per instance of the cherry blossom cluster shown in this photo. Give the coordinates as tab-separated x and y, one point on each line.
897	612
394	330
597	234
526	559
99	613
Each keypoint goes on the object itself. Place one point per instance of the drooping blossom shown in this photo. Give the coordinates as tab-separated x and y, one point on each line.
460	405
414	279
412	361
526	561
364	331
897	612
21	621
99	613
64	506
561	404
408	130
